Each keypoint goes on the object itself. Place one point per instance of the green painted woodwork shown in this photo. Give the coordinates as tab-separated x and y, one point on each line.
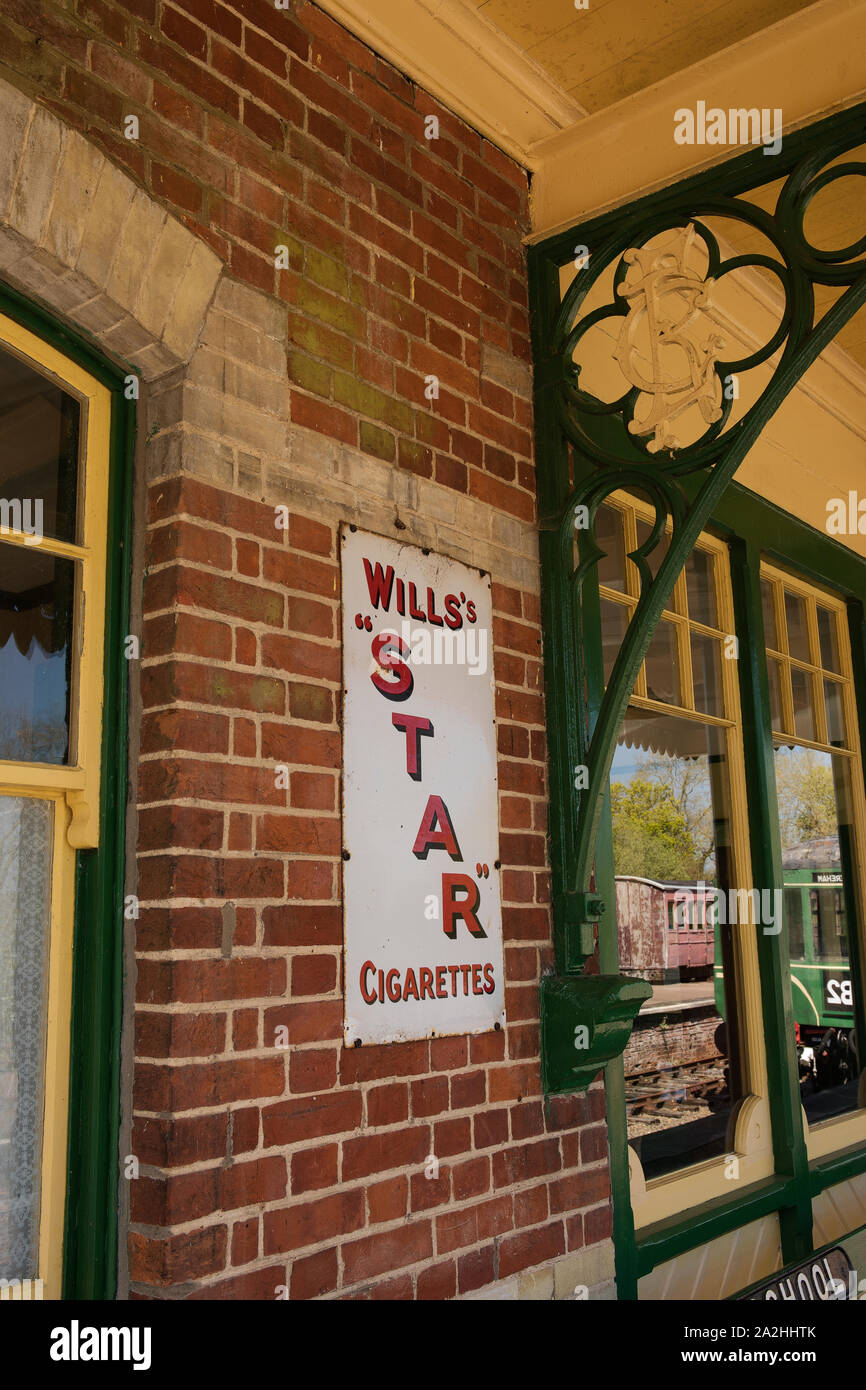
585	452
789	1144
585	1021
90	1239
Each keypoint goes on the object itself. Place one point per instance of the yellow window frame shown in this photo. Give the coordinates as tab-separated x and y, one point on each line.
672	1193
73	787
842	1131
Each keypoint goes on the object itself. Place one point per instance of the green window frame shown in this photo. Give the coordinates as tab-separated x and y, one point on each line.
89	1269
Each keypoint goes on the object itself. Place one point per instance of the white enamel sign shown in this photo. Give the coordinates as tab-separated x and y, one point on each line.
423	921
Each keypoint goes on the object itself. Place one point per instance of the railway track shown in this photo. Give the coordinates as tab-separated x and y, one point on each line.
675	1090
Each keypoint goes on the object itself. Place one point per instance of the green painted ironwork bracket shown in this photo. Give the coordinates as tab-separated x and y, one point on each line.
578	914
586	1020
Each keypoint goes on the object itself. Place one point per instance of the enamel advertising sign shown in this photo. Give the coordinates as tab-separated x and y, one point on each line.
423	921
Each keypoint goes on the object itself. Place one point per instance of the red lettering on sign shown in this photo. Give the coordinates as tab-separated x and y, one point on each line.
409	985
385	648
365	970
489	982
431	609
413	726
393	992
414	611
452	908
425	979
476	980
453	616
436	813
379	584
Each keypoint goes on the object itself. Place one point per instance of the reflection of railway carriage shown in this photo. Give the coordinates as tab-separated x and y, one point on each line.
667	933
817	933
664	931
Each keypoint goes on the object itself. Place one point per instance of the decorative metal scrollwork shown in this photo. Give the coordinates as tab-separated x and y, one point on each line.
667	272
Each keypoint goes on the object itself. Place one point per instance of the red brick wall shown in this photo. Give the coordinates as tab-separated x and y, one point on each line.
263	1166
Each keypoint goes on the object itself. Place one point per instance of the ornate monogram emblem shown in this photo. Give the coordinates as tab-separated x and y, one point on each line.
663	330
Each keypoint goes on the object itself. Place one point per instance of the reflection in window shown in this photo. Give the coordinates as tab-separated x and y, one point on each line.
672	859
39	441
36	594
814	797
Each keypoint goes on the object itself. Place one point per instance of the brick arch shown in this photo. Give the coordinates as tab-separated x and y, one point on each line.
81	235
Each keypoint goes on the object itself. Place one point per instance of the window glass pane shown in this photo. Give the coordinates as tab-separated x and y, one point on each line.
793	918
25	907
707	675
36	594
814	794
614	621
828	639
771	636
774	674
659	550
835	713
609	536
804	714
672	859
662	665
700	584
39	433
798	630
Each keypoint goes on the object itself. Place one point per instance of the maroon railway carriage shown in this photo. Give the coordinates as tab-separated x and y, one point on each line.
663	930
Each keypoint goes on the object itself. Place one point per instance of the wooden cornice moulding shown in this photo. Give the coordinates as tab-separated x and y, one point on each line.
468	64
809	65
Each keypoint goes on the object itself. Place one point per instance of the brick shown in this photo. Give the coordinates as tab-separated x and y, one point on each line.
260	1285
468	1089
178	1035
578	1190
294	1121
378	1254
173	1142
471	1179
245	1241
476	1269
315	974
524	1162
597	1225
532	1247
391	1060
490	1128
310	1223
428	1192
245	1184
314	1275
437	1282
376	1153
314	1168
429	1096
387	1105
387	1200
300	924
313	1069
200	981
174	1259
452	1137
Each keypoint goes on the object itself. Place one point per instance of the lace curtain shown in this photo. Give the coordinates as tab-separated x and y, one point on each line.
25	907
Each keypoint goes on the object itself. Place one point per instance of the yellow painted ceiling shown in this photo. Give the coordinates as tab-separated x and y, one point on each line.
835	219
613	48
